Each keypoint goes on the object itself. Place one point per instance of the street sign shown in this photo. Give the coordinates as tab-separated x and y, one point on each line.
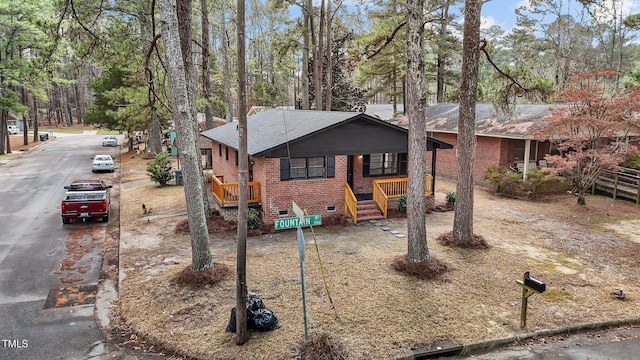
291	223
297	210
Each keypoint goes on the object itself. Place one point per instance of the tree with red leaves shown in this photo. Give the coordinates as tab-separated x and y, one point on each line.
591	129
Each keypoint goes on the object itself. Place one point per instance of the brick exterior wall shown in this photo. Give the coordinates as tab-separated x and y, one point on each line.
490	151
221	166
362	184
313	195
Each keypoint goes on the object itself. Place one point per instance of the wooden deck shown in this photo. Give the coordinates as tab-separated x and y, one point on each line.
622	184
226	194
383	190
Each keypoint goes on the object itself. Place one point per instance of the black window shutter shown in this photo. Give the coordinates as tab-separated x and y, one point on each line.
366	159
284	169
331	166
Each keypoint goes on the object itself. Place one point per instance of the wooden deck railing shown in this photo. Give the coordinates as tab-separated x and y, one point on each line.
350	203
386	189
380	197
227	194
625	183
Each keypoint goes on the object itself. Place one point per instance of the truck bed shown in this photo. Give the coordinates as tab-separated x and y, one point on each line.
84	205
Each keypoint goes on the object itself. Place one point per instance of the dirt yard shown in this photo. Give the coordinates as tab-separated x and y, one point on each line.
17	142
583	254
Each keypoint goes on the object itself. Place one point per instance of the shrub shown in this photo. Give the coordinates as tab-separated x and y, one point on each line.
506	182
632	162
450	198
159	169
208	178
254	221
402	203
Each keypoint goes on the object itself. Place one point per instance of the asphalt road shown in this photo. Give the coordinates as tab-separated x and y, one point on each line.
619	343
49	272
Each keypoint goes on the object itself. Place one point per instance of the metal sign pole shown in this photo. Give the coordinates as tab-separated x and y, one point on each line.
304	304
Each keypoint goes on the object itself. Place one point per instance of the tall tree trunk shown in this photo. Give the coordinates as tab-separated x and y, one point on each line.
418	251
440	64
5	141
226	71
36	119
155	135
65	115
463	218
25	124
307	33
79	108
184	29
206	79
329	69
242	335
318	59
184	116
154	127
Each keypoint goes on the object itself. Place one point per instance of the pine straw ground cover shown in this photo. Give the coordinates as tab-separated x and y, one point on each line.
583	254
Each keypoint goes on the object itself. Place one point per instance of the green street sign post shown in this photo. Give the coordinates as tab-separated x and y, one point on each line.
298	223
292	223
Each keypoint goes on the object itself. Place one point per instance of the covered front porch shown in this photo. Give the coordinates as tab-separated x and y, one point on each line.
359	208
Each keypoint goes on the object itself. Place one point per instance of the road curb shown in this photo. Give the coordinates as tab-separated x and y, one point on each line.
485	346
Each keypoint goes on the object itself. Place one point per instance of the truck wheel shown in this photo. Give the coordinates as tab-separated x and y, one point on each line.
105	218
66	220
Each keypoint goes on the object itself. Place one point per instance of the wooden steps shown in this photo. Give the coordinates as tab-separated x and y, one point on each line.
368	210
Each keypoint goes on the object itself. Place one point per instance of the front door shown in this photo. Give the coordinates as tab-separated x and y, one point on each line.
350	160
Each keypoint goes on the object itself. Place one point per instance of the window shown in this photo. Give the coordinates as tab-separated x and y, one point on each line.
519	147
226	153
384	164
307	168
220	149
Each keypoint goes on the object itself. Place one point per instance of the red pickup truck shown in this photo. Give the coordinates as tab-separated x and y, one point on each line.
86	199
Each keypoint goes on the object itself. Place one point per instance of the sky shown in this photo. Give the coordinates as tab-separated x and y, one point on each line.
501	12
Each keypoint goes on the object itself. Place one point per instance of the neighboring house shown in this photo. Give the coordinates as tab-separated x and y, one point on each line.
12	120
325	161
500	139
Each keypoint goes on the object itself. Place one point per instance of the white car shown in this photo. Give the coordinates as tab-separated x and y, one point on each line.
109	140
102	163
13	129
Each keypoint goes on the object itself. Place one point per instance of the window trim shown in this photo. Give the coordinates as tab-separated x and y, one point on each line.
399	169
329	168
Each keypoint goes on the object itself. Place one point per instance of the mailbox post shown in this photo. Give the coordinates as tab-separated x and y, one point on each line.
530	286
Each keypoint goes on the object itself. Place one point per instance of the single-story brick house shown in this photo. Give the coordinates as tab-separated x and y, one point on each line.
500	139
327	162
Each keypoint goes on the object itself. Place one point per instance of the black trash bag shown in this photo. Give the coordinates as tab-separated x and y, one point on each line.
254	302
265	320
258	316
231	326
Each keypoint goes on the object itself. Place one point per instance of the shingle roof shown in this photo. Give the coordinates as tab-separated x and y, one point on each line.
274	127
443	117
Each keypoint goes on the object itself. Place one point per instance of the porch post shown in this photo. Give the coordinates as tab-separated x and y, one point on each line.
527	156
433	171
